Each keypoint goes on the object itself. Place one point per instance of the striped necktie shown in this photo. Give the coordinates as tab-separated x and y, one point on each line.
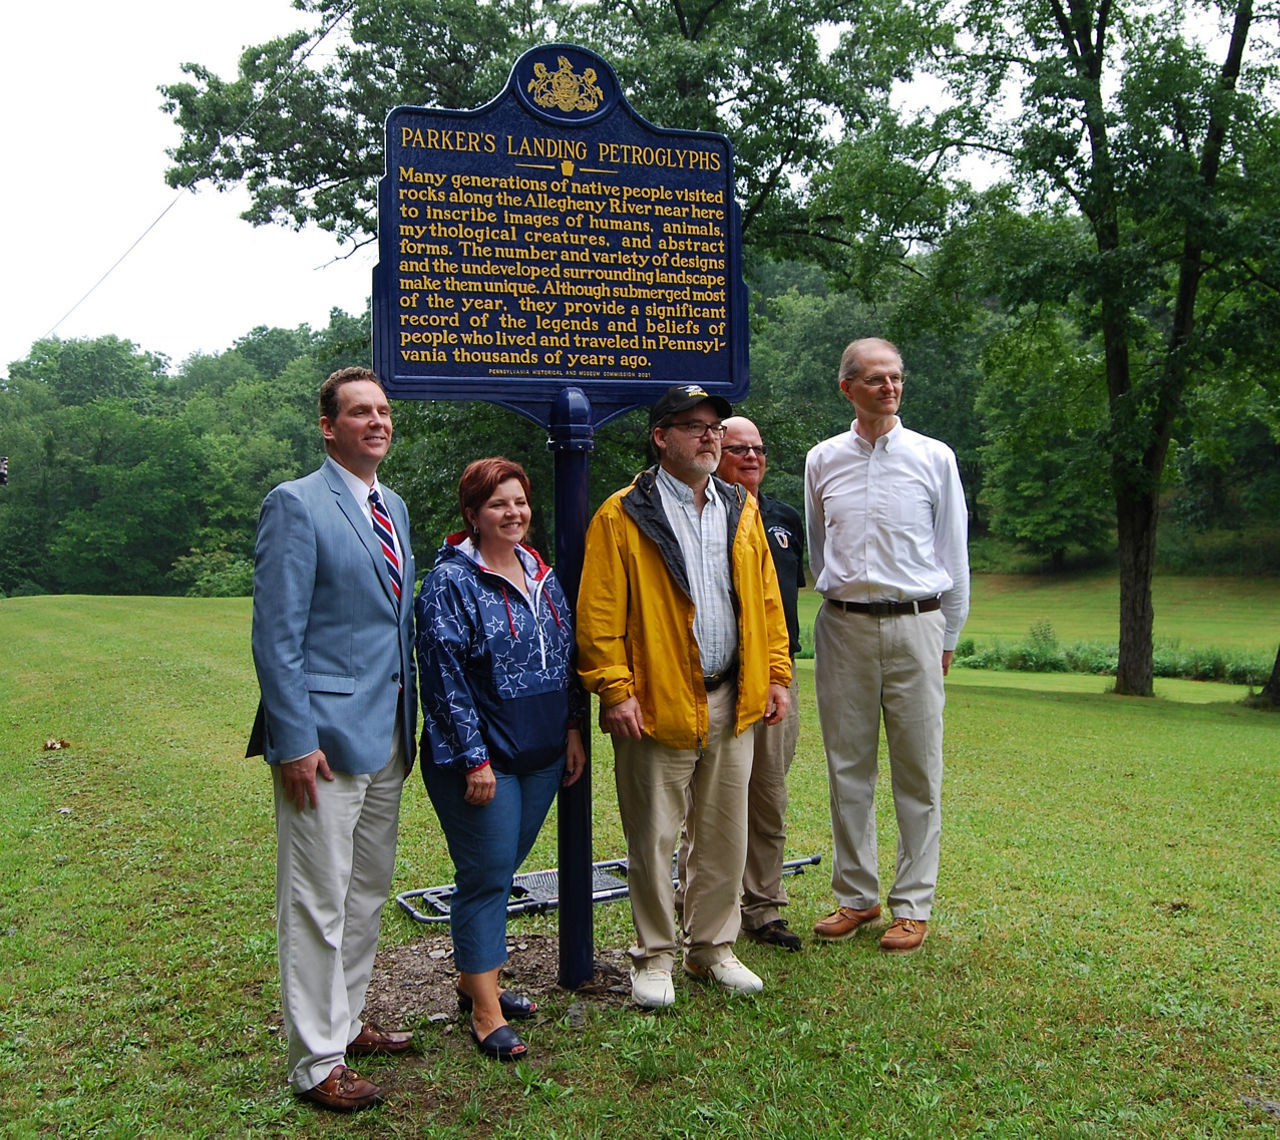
386	537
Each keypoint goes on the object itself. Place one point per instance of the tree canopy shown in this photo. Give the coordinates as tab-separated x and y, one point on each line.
307	140
1132	154
1065	212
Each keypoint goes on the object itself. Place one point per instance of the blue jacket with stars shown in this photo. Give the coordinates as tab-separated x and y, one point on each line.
495	669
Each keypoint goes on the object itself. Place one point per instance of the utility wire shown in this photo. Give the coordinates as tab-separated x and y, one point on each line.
187	188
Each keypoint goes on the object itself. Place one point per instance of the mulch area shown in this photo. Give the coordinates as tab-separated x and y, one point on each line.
416	982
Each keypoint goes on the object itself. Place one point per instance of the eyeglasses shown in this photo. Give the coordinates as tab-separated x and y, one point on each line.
893	379
741	450
700	428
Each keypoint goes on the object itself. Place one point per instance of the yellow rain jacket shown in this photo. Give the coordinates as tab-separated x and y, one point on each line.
635	615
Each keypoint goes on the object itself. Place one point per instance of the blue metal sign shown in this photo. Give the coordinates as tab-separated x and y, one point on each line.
552	237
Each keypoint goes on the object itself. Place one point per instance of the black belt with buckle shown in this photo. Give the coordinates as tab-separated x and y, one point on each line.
712	683
888	609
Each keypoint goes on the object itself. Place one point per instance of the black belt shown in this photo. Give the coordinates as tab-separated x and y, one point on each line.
888	609
712	683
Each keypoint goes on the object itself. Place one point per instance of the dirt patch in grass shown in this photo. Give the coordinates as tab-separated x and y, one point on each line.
416	982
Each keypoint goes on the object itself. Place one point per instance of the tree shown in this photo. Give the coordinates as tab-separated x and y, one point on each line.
1042	407
1156	171
48	416
753	70
1269	694
130	512
81	370
313	151
271	351
307	142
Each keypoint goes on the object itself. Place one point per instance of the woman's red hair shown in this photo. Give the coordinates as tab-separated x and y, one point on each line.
482	477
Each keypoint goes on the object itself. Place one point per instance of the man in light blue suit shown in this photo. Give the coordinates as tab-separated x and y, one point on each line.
333	649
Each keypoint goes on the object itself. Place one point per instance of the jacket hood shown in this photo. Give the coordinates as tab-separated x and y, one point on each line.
459	546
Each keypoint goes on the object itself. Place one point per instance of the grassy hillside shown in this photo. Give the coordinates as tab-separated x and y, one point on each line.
1102	960
1212	613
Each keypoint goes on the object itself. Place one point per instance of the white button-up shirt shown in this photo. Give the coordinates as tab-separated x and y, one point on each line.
887	522
704	541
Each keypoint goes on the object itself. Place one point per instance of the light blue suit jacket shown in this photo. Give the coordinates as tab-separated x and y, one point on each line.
332	648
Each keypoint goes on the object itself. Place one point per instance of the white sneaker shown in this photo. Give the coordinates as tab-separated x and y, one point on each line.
730	973
651	988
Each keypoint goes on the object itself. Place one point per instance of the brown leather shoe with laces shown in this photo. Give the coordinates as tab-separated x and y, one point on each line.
344	1090
374	1039
903	935
844	921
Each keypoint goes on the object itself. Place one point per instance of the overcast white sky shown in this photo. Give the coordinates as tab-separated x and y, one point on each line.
83	139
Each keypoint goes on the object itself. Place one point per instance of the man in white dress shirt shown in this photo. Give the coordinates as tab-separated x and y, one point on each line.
888	546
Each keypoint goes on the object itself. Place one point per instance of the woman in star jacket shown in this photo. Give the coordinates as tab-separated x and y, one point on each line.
502	710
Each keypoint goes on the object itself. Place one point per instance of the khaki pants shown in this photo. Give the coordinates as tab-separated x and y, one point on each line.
653	784
333	873
864	665
773	749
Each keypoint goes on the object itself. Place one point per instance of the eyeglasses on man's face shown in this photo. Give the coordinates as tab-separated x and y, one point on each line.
879	379
742	450
699	428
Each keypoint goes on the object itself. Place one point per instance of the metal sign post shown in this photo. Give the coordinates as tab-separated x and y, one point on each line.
554	253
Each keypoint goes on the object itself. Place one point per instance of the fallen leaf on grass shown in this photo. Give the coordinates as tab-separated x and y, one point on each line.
54	745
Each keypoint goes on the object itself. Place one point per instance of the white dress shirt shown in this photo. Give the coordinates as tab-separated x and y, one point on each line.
887	522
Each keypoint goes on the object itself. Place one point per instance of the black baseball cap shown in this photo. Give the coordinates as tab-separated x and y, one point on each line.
683	397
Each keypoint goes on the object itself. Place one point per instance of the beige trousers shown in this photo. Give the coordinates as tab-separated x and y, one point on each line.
333	872
773	747
654	782
863	666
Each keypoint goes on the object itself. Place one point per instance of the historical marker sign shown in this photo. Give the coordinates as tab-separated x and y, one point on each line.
554	238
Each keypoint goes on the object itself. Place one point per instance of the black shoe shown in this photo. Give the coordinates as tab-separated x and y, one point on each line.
775	933
515	1007
502	1044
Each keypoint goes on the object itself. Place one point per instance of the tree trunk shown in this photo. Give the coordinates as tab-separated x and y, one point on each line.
1136	515
1270	694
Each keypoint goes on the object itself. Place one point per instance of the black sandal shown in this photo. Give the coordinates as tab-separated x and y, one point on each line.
515	1007
503	1044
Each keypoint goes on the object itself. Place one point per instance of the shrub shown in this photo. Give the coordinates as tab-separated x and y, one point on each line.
214	574
1040	653
27	589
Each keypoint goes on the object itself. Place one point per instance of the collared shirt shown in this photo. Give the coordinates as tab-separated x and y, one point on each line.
704	542
887	522
357	487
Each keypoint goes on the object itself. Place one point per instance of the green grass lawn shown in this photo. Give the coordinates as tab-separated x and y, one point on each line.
1104	959
1214	613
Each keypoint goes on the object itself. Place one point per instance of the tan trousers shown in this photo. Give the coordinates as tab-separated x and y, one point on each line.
864	665
333	873
773	748
653	784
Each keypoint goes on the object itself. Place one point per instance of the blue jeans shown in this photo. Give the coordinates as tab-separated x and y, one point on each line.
487	845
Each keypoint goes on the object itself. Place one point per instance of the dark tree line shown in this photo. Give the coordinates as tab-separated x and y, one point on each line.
1074	238
131	476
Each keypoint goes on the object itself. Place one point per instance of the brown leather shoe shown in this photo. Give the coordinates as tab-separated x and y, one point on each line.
374	1039
343	1090
844	921
904	935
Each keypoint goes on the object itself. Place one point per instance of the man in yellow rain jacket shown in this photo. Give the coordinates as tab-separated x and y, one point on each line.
681	634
